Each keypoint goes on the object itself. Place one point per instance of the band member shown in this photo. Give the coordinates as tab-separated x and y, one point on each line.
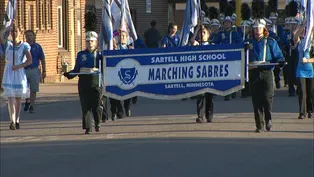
293	55
284	45
116	105
222	5
304	73
245	35
90	92
172	39
261	78
203	34
214	22
227	35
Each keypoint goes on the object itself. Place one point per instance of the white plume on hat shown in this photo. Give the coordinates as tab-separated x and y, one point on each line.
214	22
246	23
206	21
268	22
91	36
234	16
259	23
294	20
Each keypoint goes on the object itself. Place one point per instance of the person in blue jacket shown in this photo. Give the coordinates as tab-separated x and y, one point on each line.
227	36
304	74
90	92
261	79
172	39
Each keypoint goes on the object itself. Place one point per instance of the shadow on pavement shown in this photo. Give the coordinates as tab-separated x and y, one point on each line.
67	107
166	157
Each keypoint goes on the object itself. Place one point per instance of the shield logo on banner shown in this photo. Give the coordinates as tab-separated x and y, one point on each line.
127	75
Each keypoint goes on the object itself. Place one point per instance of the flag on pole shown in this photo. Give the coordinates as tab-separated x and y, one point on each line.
106	28
115	15
191	17
123	19
309	16
8	20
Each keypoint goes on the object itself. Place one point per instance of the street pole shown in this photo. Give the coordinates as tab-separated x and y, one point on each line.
238	12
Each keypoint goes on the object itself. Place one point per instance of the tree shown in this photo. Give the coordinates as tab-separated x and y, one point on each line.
90	20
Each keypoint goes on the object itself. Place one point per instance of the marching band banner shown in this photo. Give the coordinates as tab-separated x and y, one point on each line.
174	73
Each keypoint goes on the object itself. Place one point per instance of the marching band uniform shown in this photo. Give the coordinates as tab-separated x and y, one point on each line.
89	90
228	36
116	105
284	45
273	35
214	23
261	78
245	35
292	59
207	97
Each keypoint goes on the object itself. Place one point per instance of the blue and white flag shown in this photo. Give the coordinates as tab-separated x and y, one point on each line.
8	20
309	16
192	14
106	28
116	15
127	22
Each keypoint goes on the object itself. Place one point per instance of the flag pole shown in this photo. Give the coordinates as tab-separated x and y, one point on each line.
13	34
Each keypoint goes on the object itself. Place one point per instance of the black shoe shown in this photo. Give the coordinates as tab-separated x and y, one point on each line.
233	95
269	125
88	131
258	130
26	106
227	98
309	115
31	109
134	100
17	125
199	120
209	118
12	126
301	117
120	115
97	128
278	85
114	117
128	113
291	94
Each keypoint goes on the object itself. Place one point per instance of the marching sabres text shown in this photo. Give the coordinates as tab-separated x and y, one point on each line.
188	72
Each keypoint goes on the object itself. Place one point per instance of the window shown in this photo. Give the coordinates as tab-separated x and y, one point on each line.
37	14
60	27
42	14
29	20
48	14
63	30
21	12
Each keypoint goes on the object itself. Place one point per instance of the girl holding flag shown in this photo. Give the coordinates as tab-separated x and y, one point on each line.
14	83
204	34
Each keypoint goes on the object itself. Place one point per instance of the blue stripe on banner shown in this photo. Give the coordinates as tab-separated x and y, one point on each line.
176	88
114	53
168	58
13	86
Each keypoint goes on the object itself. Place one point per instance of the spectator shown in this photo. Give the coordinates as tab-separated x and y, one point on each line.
32	71
152	36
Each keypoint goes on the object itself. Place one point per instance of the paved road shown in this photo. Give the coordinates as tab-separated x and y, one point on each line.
161	139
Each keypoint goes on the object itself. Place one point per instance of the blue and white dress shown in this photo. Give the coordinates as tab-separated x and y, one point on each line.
14	82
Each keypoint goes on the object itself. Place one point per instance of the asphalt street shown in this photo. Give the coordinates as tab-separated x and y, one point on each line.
161	139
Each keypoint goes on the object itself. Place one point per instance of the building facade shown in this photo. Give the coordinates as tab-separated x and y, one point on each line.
59	25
